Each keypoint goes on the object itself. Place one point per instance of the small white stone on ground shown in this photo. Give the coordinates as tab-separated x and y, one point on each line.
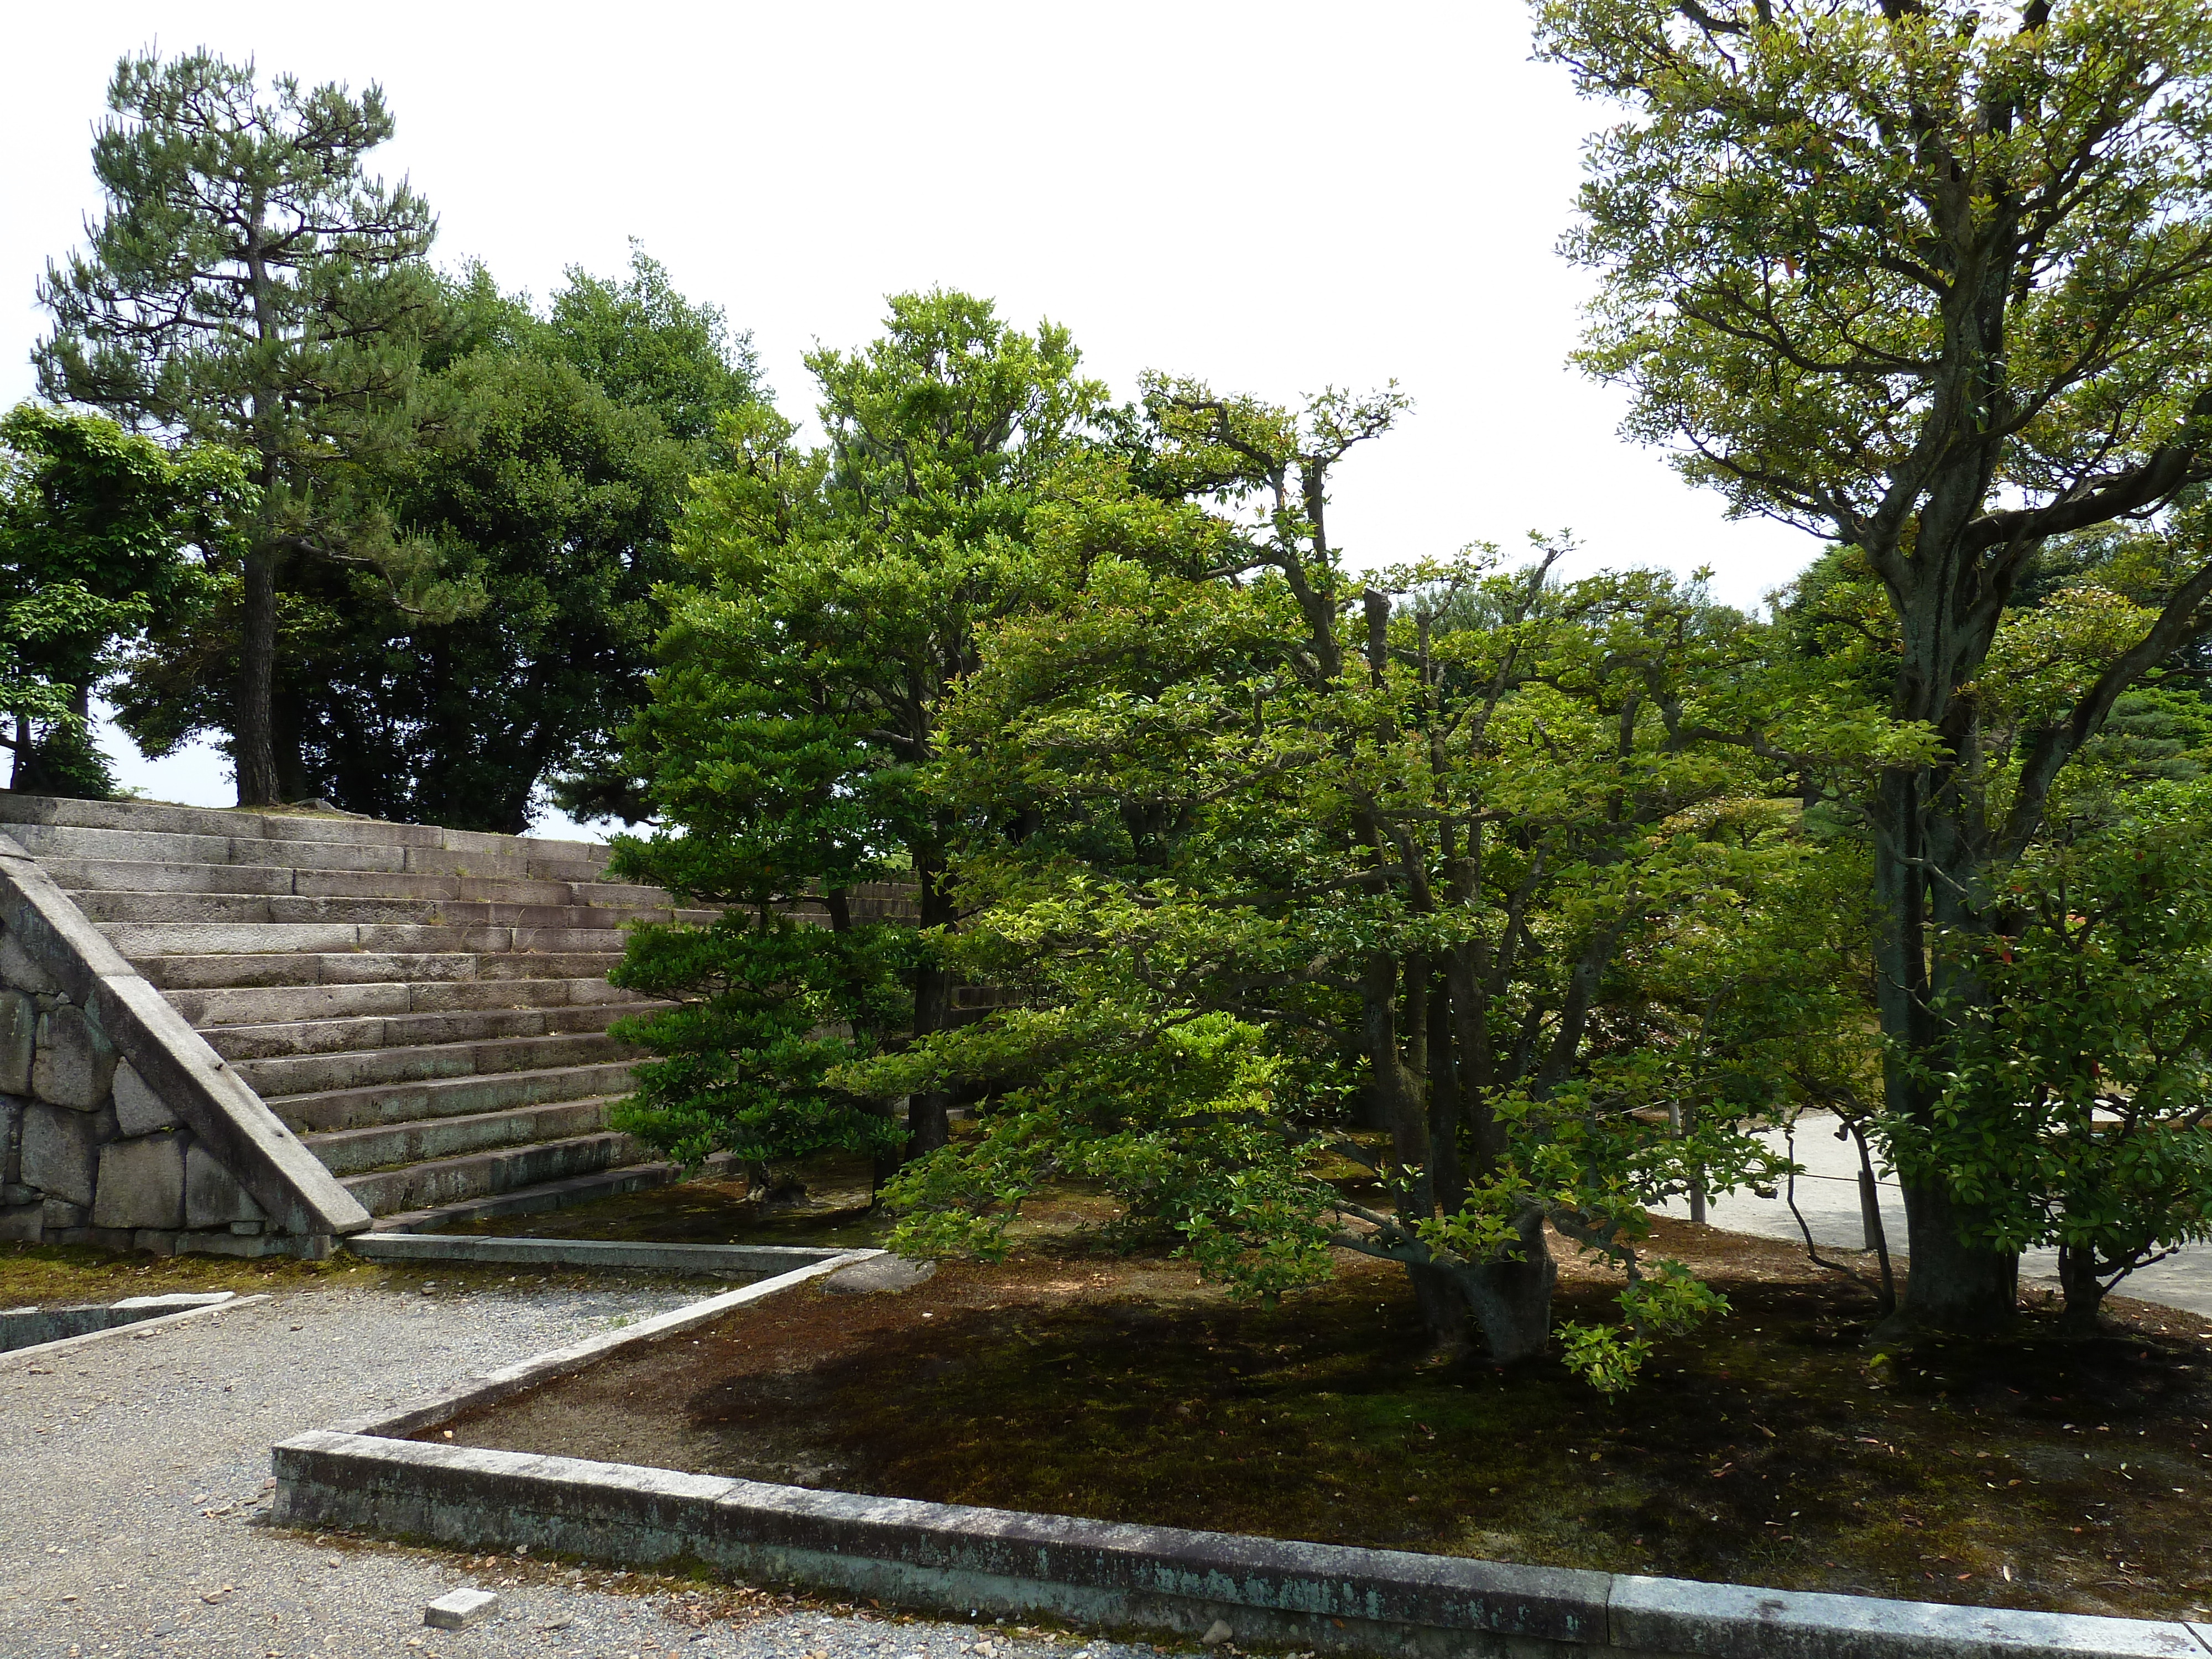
1216	1634
458	1609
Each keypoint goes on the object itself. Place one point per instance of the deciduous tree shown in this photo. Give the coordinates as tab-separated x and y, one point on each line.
1931	279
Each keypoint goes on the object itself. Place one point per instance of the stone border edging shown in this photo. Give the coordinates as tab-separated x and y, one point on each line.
174	1062
136	1328
363	1475
631	1255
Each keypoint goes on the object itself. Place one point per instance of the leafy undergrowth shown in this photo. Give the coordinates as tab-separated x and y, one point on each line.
1777	1449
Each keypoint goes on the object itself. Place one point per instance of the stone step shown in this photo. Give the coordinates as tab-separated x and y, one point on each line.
243	968
377	1104
298	1074
38	812
533	1199
508	859
444	1180
330	1037
358	1151
129	876
138	940
282	1004
111	905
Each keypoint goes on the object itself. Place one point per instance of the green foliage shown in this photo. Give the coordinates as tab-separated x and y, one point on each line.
94	522
1933	281
1259	848
548	491
250	286
770	1007
2074	1112
832	599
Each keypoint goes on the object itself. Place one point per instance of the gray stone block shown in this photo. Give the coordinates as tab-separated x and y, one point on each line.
877	1275
19	1031
141	1183
17	969
212	1197
1741	1621
61	1151
23	1224
458	1609
75	1062
60	1213
138	1109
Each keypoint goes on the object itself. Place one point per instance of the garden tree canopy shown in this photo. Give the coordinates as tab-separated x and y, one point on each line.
833	602
1931	279
550	492
251	286
93	522
1247	837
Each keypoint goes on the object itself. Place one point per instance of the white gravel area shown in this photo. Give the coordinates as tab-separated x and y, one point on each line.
132	1512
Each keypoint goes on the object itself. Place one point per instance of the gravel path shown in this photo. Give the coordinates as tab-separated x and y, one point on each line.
138	1473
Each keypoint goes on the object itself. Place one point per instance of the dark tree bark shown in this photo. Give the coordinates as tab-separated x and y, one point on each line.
253	751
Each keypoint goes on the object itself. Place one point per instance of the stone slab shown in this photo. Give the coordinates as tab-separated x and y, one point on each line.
76	1060
138	1109
458	1609
141	1183
61	1151
885	1275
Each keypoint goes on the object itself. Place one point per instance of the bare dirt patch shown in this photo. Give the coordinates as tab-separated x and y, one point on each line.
1775	1447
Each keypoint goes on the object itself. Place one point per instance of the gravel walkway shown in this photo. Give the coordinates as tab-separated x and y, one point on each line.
138	1473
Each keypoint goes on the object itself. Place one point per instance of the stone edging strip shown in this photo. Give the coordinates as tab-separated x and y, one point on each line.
589	1252
136	1328
361	1475
176	1062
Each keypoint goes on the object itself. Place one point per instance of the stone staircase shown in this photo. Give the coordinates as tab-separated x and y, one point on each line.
426	1008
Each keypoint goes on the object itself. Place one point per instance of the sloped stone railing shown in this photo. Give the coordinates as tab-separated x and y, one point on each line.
118	1125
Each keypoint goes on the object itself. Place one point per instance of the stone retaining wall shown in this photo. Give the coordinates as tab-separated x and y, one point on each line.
118	1125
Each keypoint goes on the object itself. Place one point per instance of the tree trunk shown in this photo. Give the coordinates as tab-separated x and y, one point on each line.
253	755
1952	1284
2084	1291
928	1127
1509	1302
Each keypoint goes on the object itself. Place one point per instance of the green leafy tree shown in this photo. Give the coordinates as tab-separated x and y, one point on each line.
94	525
1253	841
550	491
2091	1047
833	602
1932	280
250	286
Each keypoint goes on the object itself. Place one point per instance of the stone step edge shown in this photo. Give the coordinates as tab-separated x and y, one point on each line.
436	1085
537	1198
634	1255
433	1050
322	1138
154	817
188	1082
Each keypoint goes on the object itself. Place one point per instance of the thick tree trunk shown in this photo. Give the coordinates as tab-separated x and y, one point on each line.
253	754
1509	1303
1952	1284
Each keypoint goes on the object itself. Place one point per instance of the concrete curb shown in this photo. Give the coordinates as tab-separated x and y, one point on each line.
363	1476
710	1259
176	1062
136	1328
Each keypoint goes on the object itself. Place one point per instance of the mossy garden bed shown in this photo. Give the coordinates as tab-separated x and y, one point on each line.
1775	1449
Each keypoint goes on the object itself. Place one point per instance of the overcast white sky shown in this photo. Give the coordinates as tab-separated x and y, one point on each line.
1271	197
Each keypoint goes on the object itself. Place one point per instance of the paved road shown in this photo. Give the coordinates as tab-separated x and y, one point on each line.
1828	1194
135	1471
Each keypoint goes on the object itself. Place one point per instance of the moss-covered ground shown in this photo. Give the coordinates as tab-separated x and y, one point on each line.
1775	1446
